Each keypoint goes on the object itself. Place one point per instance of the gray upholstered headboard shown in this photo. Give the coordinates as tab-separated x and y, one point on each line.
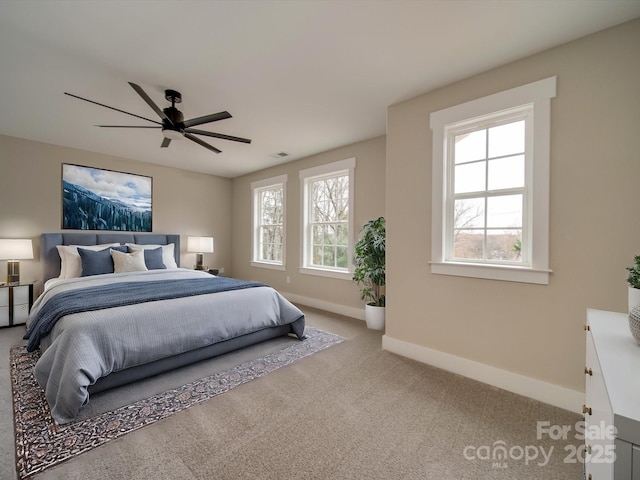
51	260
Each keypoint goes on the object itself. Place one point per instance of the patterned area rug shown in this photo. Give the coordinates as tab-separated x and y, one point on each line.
41	443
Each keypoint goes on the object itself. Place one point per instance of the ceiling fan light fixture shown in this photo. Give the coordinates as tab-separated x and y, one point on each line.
172	134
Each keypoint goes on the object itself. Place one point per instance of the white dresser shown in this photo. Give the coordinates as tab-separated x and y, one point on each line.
612	398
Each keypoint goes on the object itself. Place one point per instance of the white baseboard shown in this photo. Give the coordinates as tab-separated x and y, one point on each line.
324	305
529	387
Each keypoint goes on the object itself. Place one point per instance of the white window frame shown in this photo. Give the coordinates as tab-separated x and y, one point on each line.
340	168
257	188
535	268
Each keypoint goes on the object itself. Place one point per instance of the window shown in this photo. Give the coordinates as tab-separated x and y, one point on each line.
490	215
327	221
269	222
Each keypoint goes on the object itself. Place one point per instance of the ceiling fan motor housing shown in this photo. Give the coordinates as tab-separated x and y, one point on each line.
175	131
174	115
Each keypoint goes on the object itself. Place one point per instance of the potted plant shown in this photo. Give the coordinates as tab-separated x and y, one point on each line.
369	273
634	283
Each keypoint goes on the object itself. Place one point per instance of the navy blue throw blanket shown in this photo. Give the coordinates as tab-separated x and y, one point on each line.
120	294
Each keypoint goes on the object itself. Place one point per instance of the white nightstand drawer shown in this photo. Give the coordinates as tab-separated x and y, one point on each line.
21	295
4	297
20	313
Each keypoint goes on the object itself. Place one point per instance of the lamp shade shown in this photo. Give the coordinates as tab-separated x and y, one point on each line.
200	244
15	249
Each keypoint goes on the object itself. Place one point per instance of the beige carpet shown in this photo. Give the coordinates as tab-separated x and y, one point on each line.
350	412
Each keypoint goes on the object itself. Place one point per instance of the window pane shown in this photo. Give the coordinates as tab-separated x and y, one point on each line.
330	199
330	235
317	255
504	211
329	257
469	213
469	177
317	234
470	146
506	139
506	172
343	235
277	253
341	257
468	244
504	245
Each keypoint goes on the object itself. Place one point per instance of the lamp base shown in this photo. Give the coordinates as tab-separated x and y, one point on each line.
13	271
199	259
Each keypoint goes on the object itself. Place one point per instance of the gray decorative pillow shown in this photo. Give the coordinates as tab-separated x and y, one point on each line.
152	258
97	262
128	262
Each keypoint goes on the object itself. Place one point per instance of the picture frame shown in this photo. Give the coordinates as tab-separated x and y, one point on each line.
100	199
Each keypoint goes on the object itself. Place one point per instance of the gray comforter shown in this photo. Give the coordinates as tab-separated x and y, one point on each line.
83	347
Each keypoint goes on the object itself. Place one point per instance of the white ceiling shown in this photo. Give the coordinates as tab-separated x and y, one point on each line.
300	77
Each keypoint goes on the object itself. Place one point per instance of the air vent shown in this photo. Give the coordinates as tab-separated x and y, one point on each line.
280	155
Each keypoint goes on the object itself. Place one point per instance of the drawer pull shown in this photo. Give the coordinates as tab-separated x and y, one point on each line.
587	328
588	371
586	409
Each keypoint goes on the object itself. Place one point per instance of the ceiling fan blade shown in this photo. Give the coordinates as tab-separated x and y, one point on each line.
217	135
150	102
200	142
126	126
214	117
112	108
165	142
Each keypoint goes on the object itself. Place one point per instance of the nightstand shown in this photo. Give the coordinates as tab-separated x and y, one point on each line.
16	300
212	271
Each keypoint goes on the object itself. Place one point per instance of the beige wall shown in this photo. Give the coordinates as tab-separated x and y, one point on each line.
527	329
369	203
184	202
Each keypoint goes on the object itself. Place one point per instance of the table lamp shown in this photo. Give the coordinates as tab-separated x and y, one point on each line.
14	250
200	245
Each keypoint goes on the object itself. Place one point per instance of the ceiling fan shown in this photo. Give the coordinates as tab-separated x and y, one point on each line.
173	125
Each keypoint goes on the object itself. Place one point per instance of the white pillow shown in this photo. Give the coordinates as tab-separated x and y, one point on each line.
128	262
70	262
168	257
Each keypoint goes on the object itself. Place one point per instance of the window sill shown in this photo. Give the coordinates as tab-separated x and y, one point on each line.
492	272
272	266
321	272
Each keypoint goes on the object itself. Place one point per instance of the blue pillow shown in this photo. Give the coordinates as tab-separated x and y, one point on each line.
97	262
152	258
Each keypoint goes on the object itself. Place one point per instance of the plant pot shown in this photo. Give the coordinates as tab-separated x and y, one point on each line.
374	316
634	297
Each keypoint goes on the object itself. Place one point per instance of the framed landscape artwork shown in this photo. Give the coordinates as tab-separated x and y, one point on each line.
97	199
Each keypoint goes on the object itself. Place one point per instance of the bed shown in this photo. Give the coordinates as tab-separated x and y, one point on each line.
96	333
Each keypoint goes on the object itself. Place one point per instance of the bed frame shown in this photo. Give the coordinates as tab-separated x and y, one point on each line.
50	260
